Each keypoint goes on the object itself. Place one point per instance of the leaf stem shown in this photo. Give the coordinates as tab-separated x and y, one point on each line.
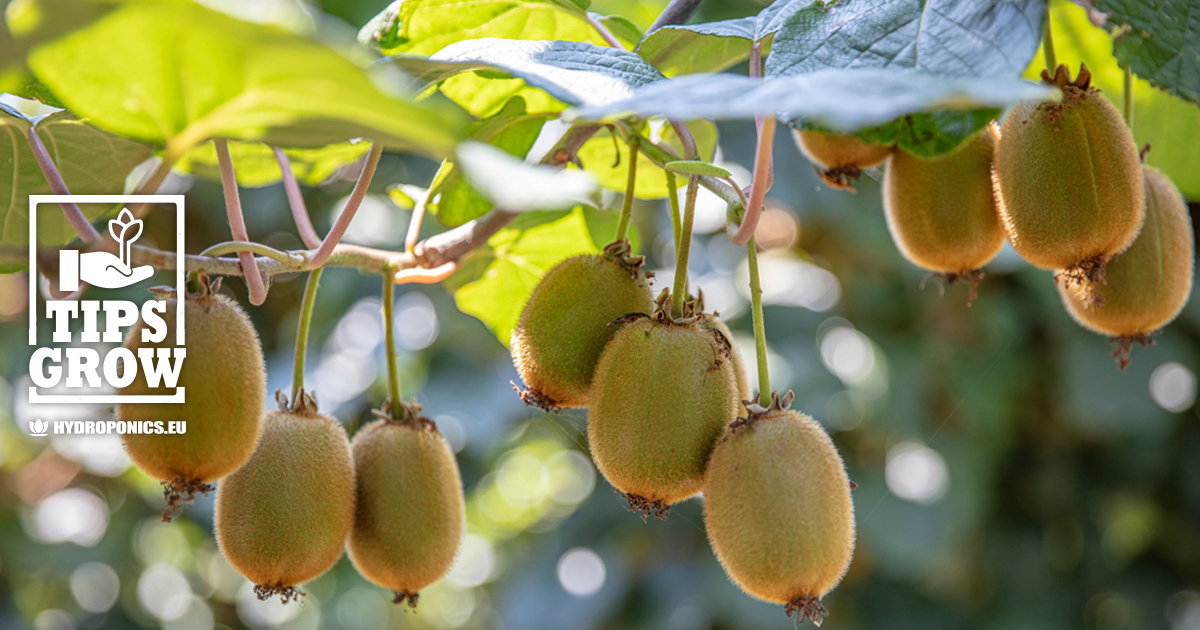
673	200
71	211
679	292
1129	97
347	214
389	294
630	190
605	34
1048	46
676	12
661	155
151	184
306	309
295	198
230	247
763	178
237	223
760	333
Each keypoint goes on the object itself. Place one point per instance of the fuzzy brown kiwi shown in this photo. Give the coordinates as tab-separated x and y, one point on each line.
283	517
840	159
224	384
942	211
1147	285
777	508
410	515
663	393
564	325
1069	181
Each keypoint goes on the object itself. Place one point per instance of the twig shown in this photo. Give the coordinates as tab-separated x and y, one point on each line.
414	223
296	201
237	223
230	247
74	215
347	214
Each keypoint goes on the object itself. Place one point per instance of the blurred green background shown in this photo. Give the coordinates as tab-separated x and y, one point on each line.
1009	476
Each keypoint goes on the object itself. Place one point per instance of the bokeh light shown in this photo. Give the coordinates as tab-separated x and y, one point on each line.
581	572
916	473
1173	386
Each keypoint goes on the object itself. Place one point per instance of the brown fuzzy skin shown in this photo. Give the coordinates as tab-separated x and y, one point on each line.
777	508
565	325
225	382
282	518
833	152
1068	180
1148	284
941	211
410	516
662	396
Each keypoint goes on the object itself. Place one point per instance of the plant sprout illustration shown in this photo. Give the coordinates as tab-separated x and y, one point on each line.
103	269
120	228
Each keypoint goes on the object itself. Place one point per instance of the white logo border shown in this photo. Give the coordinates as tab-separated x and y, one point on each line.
180	288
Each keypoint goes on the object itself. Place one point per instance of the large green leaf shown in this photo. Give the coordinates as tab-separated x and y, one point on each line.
255	165
715	46
840	100
608	160
494	282
180	74
1159	41
575	73
1168	123
90	161
424	27
948	37
512	130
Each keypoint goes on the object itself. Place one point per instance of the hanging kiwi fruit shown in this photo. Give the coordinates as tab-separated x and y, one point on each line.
839	158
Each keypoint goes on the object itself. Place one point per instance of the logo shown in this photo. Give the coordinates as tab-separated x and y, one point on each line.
77	362
39	428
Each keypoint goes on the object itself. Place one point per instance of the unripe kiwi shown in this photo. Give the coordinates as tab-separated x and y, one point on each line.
1147	285
283	517
224	385
711	320
1069	181
840	159
663	393
941	211
778	511
564	325
410	516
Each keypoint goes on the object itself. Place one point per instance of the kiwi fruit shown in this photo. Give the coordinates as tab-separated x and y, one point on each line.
283	517
564	325
1069	181
777	508
840	159
1147	285
663	393
225	386
410	517
713	321
941	211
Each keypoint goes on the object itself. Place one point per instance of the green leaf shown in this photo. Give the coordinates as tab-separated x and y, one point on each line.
424	27
946	37
608	161
622	27
574	73
512	130
695	167
1167	122
715	46
90	161
516	186
839	100
932	134
256	166
180	74
1159	41
494	282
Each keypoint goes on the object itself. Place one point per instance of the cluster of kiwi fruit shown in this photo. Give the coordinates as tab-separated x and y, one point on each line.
294	490
669	418
1065	184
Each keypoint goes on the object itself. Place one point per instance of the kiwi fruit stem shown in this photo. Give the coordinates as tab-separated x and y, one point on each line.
673	199
760	333
1128	95
306	308
630	189
683	248
1048	45
389	294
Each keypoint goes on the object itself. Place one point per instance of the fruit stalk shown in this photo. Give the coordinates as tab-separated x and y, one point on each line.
760	333
630	189
673	199
389	294
347	214
306	309
1048	46
679	293
1128	111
